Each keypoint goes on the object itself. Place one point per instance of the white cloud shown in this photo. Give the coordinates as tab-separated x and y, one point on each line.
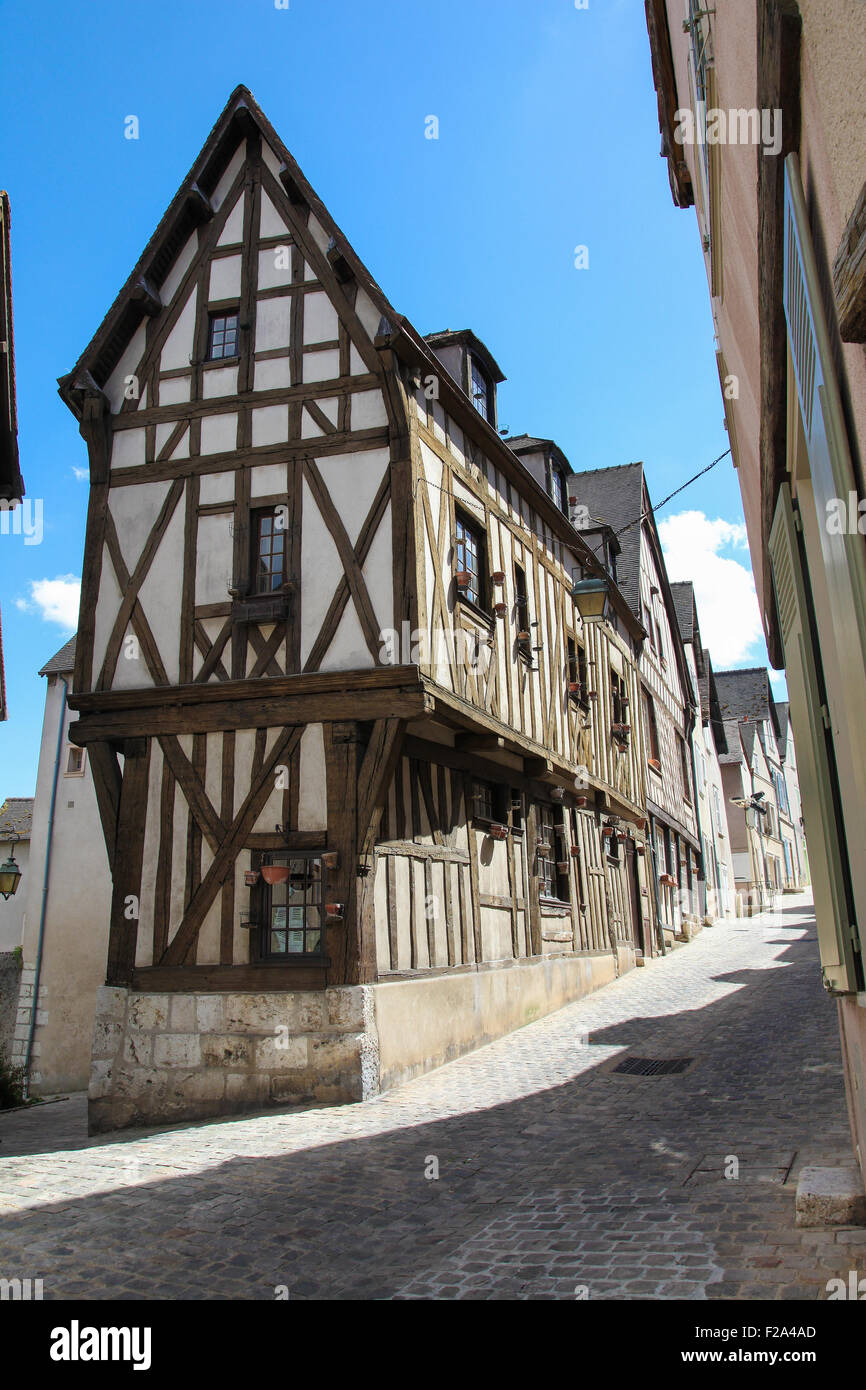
724	588
55	600
82	474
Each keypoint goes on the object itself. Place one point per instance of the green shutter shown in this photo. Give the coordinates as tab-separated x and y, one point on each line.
816	776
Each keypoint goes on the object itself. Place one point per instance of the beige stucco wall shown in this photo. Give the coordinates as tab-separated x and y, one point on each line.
424	1023
76	918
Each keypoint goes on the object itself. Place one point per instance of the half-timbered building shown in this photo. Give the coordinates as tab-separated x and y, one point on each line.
620	497
354	690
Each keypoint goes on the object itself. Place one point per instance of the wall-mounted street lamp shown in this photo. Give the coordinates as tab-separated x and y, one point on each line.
592	597
10	874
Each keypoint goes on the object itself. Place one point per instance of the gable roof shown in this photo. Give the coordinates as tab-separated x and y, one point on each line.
16	817
744	694
614	496
684	607
61	661
735	751
187	210
783	720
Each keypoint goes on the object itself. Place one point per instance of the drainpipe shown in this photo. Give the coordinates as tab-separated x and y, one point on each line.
61	725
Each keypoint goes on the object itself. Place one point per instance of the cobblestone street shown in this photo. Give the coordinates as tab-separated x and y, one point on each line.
557	1177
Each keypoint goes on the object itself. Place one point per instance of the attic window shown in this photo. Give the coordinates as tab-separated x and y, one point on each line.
222	335
482	394
557	488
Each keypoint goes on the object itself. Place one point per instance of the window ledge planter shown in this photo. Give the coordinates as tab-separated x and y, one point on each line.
270	609
498	832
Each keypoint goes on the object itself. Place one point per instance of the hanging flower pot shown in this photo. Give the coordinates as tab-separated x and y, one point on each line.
607	831
498	576
333	912
498	832
641	850
575	851
580	801
574	687
542	847
463	578
331	859
592	695
524	637
275	873
500	609
562	866
251	878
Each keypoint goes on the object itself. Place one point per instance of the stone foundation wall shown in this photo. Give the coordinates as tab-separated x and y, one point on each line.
10	983
159	1058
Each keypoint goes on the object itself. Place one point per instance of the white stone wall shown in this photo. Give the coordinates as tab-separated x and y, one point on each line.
164	1057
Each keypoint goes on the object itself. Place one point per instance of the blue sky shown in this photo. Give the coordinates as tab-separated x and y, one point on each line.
548	139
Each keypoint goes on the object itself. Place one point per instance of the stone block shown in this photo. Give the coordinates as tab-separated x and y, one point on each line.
111	1002
250	1088
177	1050
107	1035
138	1049
209	1013
148	1011
308	1012
830	1197
100	1079
257	1013
346	1007
282	1053
226	1050
182	1014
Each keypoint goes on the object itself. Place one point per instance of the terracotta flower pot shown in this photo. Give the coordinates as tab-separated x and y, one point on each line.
500	609
498	832
275	873
498	576
463	578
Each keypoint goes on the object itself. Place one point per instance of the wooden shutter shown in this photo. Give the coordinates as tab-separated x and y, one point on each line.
817	780
843	557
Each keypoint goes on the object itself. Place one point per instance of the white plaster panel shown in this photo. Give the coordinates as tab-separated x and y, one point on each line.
106	611
219	381
213	559
127	448
309	273
273	162
367	313
134	510
233	231
379	573
181	448
216	487
272	223
318	233
174	391
268	479
273	323
178	860
368	411
321	571
322	366
163	434
150	856
312	800
353	481
309	428
270	425
178	346
273	375
232	170
132	355
275	267
348	651
320	318
357	365
225	278
219	433
160	594
180	265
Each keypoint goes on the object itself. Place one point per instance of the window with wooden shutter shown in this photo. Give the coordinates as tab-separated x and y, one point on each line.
818	785
837	560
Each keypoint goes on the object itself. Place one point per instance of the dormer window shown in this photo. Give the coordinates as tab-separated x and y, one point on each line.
557	488
482	393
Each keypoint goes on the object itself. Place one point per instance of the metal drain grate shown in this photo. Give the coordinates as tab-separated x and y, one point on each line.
653	1066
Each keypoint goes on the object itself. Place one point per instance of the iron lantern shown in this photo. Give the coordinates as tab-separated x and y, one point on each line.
10	874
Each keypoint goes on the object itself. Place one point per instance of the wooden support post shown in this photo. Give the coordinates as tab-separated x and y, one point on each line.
126	884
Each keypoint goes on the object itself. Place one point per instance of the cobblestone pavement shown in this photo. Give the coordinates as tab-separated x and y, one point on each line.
557	1178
